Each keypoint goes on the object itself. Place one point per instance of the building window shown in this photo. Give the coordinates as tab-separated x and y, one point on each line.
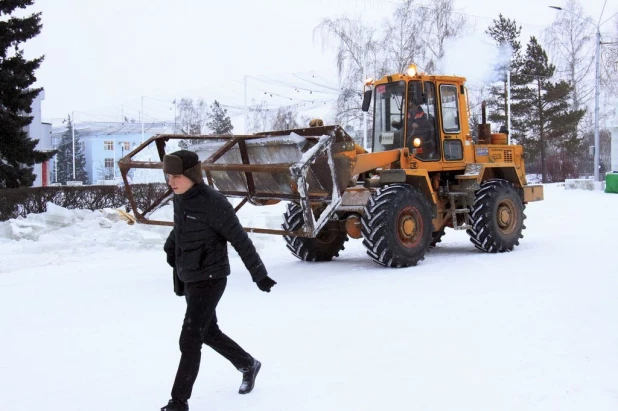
108	145
109	162
126	145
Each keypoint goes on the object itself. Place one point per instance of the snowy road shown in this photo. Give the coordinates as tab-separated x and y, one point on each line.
89	322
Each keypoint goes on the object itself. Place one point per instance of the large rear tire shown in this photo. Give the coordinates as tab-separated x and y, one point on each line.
324	247
497	217
396	226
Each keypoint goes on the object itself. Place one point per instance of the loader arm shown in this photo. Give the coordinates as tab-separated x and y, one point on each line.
371	161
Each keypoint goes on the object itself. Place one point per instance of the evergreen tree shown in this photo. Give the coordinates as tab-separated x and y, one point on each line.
218	120
64	158
550	122
17	150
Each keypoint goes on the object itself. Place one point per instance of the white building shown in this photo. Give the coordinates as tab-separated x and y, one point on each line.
42	132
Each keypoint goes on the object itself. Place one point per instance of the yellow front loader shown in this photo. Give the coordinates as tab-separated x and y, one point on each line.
423	173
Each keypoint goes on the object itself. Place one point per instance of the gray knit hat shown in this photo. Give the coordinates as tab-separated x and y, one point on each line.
183	162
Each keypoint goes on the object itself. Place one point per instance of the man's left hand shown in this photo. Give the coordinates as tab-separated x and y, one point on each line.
266	283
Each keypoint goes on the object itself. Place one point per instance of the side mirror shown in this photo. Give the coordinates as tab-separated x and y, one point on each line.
366	100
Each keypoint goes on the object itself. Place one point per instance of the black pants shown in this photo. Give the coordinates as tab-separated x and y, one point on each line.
200	327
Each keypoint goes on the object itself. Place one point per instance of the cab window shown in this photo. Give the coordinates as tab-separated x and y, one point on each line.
421	124
450	108
389	112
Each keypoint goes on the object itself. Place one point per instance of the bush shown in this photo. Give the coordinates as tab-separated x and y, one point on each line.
560	167
23	201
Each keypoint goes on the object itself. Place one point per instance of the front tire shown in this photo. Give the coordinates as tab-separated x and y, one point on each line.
324	247
396	226
497	217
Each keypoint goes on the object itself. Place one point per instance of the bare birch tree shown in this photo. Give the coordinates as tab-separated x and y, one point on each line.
441	22
571	42
191	119
261	117
403	41
192	116
357	56
286	118
609	57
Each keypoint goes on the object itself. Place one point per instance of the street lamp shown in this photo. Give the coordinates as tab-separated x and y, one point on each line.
597	83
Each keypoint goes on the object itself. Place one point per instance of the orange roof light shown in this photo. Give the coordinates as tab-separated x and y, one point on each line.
412	70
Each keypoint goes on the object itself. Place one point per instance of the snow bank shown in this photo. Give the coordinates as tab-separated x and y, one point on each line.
84	227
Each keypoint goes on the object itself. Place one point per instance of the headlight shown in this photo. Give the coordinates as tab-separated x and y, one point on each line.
417	142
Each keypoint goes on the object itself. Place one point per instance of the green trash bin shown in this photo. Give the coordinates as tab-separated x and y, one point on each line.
611	183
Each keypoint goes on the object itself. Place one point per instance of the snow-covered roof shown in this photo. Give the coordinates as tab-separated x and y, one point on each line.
96	128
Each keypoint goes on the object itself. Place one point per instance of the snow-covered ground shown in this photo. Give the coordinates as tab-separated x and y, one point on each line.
89	320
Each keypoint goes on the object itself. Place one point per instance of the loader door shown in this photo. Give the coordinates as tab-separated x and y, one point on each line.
421	121
389	118
451	123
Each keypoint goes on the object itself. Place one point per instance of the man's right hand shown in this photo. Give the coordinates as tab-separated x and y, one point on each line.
266	283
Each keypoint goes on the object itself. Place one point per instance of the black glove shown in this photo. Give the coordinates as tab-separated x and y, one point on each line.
266	283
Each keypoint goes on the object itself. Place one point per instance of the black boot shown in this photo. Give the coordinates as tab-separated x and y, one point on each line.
248	377
176	405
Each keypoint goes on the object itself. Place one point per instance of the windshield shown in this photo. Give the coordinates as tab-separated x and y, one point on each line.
389	112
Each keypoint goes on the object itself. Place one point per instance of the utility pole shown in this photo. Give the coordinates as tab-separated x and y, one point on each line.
174	116
142	118
114	162
73	134
246	109
597	84
508	105
364	116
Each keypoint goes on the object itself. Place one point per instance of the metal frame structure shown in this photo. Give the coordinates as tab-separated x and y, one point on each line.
316	146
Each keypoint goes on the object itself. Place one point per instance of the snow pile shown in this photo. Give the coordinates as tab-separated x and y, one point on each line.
108	228
84	227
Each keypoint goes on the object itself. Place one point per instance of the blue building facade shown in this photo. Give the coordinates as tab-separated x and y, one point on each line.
106	143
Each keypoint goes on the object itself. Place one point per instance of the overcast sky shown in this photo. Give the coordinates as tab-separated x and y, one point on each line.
101	57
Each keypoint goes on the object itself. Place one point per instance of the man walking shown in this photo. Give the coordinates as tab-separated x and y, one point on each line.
204	222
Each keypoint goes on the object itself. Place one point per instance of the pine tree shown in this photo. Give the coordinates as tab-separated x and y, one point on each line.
64	159
17	150
218	120
550	122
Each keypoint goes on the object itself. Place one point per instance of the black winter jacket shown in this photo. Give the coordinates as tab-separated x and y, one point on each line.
204	221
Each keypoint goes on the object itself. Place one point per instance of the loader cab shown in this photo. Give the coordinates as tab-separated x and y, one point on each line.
405	116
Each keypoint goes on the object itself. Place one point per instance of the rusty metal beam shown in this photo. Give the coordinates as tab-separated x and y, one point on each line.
242	203
298	233
224	149
321	196
249	168
158	201
244	156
